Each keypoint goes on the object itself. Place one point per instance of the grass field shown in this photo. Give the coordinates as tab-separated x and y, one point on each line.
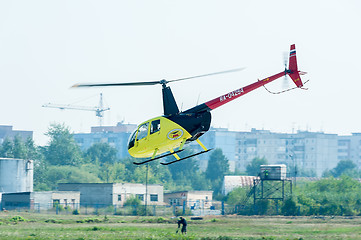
15	225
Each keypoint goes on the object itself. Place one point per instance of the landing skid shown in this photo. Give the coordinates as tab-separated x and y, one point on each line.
152	159
178	160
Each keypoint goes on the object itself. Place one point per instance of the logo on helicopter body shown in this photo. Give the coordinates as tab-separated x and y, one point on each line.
175	134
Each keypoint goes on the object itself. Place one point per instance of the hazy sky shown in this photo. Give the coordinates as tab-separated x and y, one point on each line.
47	46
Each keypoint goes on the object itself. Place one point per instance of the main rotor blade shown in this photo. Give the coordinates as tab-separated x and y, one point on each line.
151	82
208	74
114	84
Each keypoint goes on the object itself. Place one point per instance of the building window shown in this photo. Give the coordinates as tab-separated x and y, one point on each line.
154	197
66	202
119	197
174	201
140	197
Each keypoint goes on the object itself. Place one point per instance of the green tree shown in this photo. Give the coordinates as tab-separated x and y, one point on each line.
40	167
237	196
289	207
217	165
111	172
216	170
186	174
62	149
19	148
102	153
253	168
330	197
7	149
132	201
343	166
68	174
119	171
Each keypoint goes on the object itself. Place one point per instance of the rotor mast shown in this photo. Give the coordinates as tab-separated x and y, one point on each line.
169	104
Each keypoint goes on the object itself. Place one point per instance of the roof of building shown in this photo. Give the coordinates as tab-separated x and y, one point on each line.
128	184
239	181
193	192
231	182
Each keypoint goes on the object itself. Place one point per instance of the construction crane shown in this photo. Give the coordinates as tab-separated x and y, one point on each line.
99	110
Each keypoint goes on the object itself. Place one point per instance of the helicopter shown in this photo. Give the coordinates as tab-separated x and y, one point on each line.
167	134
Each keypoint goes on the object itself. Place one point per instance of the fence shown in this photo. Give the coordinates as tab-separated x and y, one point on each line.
268	207
100	209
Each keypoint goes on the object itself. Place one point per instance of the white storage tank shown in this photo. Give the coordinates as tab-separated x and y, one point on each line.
16	175
273	172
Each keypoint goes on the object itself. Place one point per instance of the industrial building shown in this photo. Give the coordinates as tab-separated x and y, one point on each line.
105	194
191	199
40	200
349	148
312	152
116	136
8	132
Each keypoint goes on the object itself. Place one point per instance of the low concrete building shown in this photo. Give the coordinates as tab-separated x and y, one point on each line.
16	175
105	194
40	200
191	199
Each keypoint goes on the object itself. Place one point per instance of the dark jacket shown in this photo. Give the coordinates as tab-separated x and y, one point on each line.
183	222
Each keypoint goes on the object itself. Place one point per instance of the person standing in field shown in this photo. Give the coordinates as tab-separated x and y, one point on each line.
182	221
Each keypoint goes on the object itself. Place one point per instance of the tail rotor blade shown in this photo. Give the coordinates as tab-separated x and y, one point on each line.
285	83
285	59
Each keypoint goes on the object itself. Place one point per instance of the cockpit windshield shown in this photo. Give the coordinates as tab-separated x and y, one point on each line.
142	131
132	139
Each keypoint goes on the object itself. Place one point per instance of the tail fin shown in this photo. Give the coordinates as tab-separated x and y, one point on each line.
293	69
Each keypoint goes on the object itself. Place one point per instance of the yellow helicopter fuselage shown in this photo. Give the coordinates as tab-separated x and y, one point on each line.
156	136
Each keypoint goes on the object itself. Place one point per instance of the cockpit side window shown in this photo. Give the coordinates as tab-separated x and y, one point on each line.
155	126
142	131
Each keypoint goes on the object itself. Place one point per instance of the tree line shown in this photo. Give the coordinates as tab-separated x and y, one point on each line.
62	161
328	196
337	193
